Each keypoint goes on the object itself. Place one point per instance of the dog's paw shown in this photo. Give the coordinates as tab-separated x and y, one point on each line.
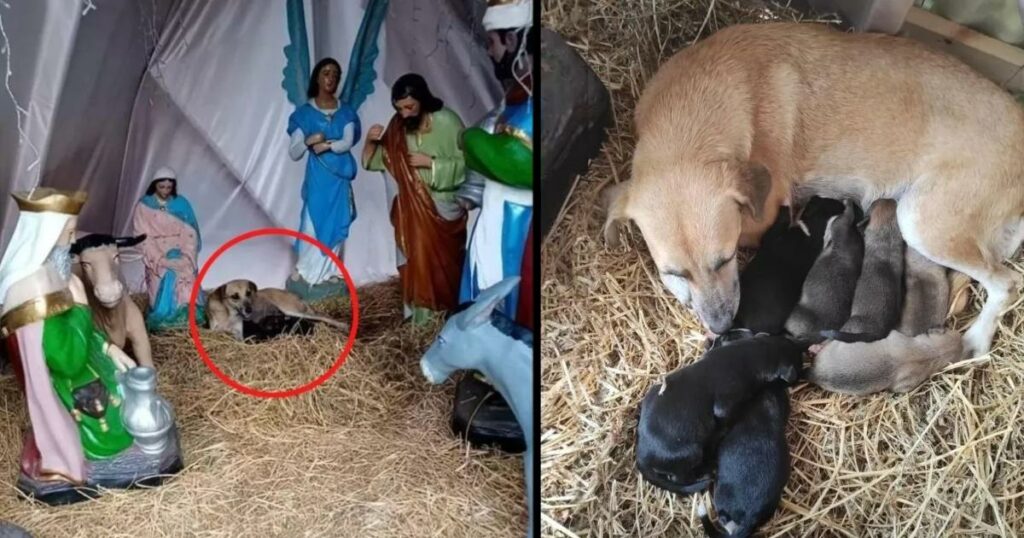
976	344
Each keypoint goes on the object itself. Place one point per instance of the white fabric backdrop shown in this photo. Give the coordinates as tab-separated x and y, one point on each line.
210	105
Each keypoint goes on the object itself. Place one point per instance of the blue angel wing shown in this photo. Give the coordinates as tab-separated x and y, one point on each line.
296	70
360	77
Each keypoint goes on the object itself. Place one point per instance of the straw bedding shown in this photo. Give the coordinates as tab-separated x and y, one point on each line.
946	459
368	453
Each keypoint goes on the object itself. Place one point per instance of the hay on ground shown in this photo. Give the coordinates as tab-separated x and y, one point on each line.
946	459
368	453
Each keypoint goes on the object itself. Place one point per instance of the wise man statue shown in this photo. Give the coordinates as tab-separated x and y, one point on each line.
68	370
499	162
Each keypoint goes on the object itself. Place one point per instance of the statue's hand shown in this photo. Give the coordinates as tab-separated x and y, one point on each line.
121	359
314	139
419	160
375	133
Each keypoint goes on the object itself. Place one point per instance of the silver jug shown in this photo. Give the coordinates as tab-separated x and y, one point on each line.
146	415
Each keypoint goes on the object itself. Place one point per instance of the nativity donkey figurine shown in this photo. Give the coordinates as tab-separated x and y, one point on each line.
97	263
481	338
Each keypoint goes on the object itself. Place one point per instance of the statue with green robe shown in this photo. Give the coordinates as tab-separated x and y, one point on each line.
420	150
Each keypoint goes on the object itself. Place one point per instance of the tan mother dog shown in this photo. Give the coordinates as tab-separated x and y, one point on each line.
757	116
239	300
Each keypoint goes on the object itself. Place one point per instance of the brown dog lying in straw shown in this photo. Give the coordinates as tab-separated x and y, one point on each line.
239	300
758	115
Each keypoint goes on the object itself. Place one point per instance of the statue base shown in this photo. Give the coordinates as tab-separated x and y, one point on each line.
315	292
483	418
133	468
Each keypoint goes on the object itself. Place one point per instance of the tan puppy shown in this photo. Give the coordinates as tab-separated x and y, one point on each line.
756	115
239	300
897	363
927	295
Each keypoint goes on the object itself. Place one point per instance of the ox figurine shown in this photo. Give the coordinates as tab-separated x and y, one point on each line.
481	338
97	263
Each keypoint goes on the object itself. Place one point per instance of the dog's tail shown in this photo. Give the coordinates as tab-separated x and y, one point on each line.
710	528
849	338
314	317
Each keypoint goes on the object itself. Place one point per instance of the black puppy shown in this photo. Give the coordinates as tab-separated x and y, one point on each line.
753	465
681	419
275	324
771	283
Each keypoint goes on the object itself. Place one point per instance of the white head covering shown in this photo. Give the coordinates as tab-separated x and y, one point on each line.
34	237
165	172
505	14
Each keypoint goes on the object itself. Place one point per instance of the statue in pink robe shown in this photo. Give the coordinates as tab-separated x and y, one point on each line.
170	252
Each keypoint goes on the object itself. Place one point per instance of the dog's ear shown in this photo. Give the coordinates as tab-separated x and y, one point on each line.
252	288
751	188
615	204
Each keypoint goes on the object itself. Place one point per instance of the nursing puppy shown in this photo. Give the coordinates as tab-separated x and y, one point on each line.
927	297
771	283
828	291
878	300
753	465
758	115
898	363
681	419
237	301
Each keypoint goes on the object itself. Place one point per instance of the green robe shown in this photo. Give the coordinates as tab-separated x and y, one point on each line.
441	143
73	348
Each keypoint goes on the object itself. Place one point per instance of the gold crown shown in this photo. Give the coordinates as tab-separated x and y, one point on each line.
52	200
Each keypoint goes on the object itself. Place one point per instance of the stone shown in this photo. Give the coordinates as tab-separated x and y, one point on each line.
575	111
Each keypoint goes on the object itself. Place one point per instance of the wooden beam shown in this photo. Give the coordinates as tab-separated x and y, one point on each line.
1001	62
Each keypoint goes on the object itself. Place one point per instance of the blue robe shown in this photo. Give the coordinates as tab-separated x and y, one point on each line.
327	189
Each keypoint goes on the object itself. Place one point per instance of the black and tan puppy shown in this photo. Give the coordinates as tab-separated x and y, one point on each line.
753	465
230	305
682	419
926	301
827	294
771	283
878	300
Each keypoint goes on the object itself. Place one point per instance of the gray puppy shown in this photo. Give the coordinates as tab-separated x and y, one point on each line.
897	363
878	301
926	302
827	295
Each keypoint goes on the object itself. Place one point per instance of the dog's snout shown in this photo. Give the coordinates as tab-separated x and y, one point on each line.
720	325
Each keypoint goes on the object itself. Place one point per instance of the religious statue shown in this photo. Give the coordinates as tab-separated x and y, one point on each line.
72	376
480	337
420	149
499	156
325	129
170	252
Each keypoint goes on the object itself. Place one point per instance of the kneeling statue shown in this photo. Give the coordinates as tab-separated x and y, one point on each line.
86	427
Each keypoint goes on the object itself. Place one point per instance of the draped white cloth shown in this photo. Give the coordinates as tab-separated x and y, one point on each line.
196	85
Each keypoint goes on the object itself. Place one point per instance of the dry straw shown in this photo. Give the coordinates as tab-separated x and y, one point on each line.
369	453
947	459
